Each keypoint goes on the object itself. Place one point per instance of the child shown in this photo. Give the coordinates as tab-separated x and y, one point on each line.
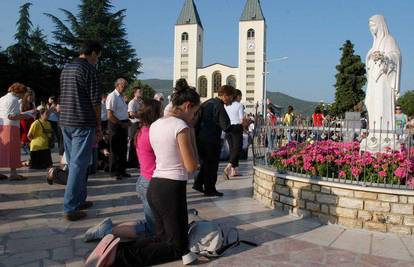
40	134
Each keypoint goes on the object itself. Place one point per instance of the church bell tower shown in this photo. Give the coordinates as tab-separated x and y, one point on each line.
188	44
252	54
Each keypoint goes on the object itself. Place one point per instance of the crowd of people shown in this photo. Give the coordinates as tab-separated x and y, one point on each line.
95	131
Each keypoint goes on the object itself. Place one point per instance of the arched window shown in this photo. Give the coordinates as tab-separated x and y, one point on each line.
231	80
216	81
184	37
202	86
250	34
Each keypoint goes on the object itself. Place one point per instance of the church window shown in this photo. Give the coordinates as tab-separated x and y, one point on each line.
231	80
250	34
199	38
202	86
184	37
250	53
216	81
250	91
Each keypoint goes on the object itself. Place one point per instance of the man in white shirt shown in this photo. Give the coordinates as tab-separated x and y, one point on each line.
235	137
118	124
133	108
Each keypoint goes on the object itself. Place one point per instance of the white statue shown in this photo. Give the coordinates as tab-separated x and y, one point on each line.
383	65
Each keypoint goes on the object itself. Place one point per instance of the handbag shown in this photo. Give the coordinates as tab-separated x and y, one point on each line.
50	136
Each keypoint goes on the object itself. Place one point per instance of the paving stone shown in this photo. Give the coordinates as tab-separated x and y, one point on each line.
356	241
49	263
64	253
40	243
390	246
26	257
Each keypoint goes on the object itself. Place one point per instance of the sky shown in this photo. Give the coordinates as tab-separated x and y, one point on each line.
309	33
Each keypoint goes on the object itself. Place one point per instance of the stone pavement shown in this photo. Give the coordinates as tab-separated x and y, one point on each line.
33	232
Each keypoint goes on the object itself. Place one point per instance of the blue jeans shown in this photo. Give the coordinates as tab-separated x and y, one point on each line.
149	224
78	150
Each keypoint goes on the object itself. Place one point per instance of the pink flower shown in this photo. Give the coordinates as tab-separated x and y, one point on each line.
400	172
342	174
355	171
382	173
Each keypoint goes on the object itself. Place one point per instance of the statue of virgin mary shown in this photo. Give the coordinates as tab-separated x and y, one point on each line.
383	63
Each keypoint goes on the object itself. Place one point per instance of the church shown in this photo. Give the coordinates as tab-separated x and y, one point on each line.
248	76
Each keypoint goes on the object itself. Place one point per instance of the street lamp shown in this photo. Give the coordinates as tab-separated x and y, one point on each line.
266	62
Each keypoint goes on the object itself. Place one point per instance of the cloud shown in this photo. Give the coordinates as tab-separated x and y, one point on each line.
157	68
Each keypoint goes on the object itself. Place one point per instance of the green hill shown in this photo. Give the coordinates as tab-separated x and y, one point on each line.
160	86
304	107
301	106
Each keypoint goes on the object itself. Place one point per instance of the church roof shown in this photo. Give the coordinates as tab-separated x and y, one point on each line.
189	14
252	11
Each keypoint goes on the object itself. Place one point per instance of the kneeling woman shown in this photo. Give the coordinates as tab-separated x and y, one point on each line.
39	136
176	156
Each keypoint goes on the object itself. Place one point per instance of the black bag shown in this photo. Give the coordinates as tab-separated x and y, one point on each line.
50	136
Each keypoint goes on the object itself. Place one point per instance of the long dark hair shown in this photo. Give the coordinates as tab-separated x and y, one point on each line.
149	112
183	93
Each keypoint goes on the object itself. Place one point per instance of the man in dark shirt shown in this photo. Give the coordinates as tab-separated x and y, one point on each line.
80	115
213	119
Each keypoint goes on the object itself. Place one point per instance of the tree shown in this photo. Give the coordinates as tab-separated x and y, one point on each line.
24	24
147	91
28	60
349	81
96	21
407	103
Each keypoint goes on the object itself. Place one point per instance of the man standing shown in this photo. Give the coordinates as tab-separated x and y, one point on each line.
80	119
213	119
133	107
235	137
118	124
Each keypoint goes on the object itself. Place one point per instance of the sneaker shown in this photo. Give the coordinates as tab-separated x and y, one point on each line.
85	205
213	194
98	231
75	216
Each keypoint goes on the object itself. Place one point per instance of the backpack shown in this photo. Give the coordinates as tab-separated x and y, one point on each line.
207	238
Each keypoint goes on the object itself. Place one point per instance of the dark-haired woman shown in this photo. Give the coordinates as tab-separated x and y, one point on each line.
26	104
175	157
149	112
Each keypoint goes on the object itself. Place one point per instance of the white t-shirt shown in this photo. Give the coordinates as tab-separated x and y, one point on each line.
9	105
235	112
133	106
163	139
115	102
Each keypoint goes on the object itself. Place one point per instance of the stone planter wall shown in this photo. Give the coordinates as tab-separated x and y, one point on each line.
378	209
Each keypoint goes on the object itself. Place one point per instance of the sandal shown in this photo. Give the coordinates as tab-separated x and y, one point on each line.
3	177
17	177
109	255
97	253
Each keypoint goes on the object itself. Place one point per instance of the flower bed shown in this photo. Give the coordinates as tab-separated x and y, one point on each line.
345	160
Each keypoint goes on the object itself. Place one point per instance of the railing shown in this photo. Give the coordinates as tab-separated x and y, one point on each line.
338	153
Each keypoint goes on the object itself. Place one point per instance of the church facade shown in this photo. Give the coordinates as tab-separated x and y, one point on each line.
248	76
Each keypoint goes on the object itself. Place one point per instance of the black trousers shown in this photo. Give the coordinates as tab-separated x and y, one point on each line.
40	159
209	154
168	201
235	141
132	159
119	143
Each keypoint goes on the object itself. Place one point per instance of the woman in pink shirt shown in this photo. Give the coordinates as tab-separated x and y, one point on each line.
148	113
